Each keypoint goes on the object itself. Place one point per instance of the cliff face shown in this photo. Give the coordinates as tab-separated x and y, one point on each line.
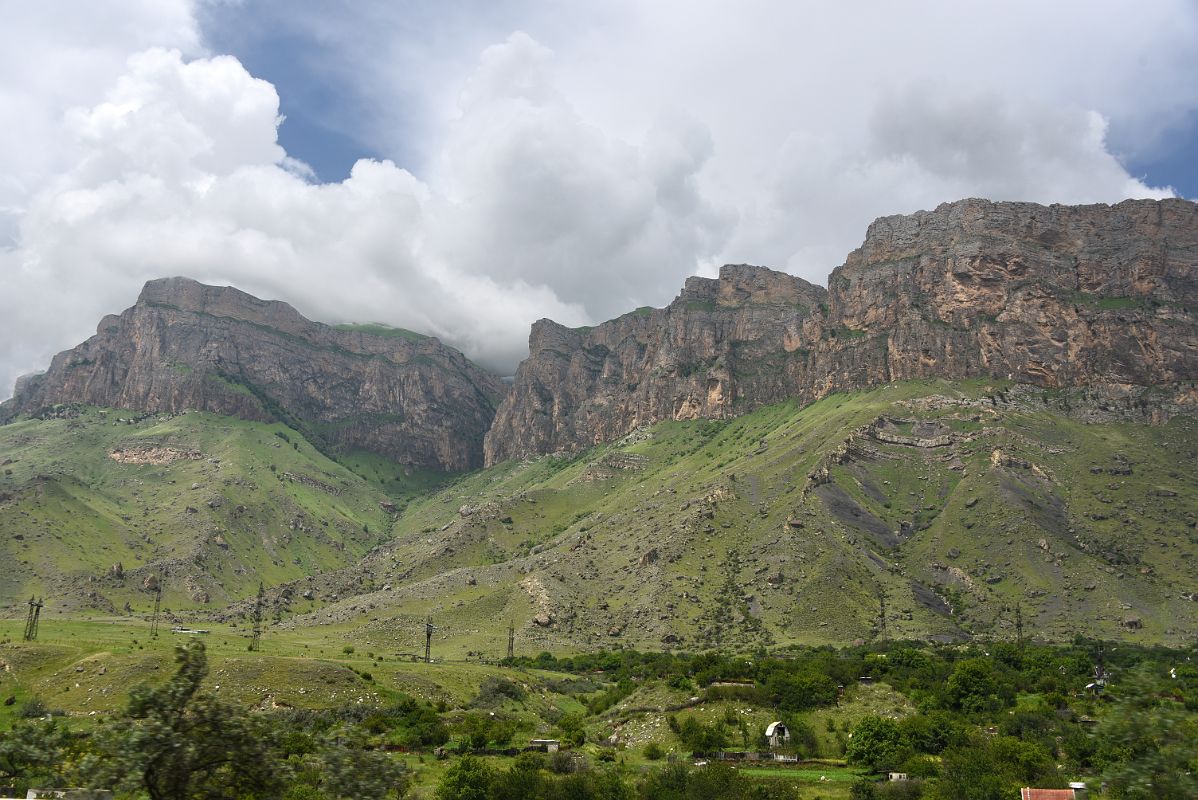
721	347
185	345
1053	296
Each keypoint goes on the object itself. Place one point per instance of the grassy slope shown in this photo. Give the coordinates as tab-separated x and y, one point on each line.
783	526
279	507
684	537
380	329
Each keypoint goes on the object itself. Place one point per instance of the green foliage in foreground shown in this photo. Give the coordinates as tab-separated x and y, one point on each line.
974	723
530	778
176	742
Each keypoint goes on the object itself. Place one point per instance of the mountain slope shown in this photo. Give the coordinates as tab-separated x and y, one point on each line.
218	503
187	346
952	503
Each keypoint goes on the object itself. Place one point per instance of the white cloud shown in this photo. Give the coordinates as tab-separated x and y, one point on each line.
575	171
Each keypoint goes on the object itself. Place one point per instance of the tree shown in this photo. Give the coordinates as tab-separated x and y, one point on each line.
878	743
572	730
973	687
468	779
176	742
32	750
524	780
802	691
348	770
479	729
1148	744
993	769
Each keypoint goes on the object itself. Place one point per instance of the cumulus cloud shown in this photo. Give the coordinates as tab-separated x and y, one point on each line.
573	171
179	171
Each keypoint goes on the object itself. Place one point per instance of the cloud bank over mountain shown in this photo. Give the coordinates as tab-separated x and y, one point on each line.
573	171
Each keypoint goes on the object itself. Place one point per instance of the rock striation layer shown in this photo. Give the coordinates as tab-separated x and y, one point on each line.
1055	296
189	346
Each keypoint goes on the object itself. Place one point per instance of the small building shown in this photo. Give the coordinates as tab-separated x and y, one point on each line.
1047	794
897	776
777	734
545	745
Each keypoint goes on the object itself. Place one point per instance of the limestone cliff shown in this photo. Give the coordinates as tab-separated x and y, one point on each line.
1053	296
185	345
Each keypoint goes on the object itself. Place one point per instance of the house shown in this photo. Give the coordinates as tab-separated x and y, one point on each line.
897	776
546	745
1047	794
777	734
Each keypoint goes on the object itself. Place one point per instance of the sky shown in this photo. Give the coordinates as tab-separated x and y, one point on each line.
464	169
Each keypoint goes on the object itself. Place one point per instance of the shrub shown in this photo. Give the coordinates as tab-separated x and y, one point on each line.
493	691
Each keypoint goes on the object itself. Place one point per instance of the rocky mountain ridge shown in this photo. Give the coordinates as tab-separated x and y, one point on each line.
1053	296
188	346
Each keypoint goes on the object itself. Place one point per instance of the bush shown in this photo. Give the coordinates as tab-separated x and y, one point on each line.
479	730
493	691
863	789
562	762
899	790
698	737
32	708
653	751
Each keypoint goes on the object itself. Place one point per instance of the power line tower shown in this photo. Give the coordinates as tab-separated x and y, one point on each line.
31	621
881	613
157	606
511	639
256	632
429	627
1100	677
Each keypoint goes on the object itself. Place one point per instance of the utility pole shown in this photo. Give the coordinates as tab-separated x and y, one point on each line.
1019	625
157	606
31	621
511	639
256	633
428	639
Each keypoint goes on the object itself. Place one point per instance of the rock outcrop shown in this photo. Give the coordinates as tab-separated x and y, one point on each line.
1055	296
188	346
